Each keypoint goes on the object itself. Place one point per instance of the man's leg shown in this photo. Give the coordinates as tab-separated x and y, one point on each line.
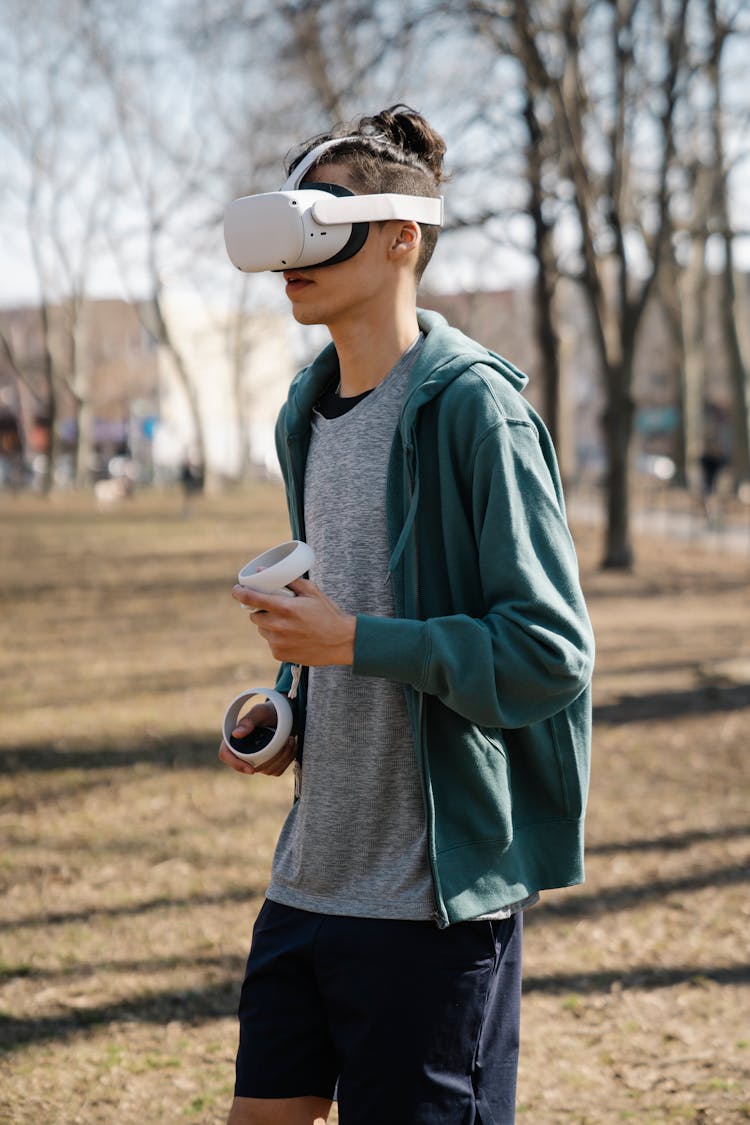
279	1111
286	1061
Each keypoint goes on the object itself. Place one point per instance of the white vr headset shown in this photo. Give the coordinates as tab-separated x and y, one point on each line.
313	225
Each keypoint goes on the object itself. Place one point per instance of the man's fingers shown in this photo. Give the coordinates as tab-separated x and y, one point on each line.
255	600
281	761
304	588
258	602
273	768
262	715
229	759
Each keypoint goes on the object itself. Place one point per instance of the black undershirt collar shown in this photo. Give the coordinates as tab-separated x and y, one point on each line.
332	405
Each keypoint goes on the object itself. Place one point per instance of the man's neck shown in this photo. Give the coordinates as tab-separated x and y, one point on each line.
369	349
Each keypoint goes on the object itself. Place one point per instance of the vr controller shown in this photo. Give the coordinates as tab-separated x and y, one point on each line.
271	572
263	743
268	573
313	224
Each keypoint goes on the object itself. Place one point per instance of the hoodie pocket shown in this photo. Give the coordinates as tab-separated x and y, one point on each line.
469	783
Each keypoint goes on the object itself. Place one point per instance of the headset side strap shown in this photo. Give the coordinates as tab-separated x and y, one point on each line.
375	208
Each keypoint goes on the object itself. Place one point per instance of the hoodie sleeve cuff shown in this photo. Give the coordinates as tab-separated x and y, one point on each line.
284	679
391	648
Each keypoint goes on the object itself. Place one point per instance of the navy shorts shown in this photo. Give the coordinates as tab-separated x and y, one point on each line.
417	1025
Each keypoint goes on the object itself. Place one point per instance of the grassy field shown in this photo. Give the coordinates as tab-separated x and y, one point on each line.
133	863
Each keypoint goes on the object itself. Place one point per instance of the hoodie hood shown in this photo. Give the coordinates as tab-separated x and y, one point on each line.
445	354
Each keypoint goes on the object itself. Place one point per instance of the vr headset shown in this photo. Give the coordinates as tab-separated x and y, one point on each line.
312	224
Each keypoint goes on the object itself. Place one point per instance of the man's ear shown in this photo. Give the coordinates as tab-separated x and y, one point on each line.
406	238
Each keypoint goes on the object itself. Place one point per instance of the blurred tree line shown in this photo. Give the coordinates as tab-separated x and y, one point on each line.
601	139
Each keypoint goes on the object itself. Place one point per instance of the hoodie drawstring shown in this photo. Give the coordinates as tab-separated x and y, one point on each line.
411	514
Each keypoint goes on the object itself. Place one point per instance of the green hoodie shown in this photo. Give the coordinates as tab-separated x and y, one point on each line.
491	639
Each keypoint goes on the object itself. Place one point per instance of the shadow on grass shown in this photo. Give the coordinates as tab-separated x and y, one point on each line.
228	963
646	978
243	894
674	842
219	1000
194	751
192	1006
633	897
674	704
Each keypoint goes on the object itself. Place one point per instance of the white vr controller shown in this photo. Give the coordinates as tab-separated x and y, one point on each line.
272	571
293	228
269	573
269	740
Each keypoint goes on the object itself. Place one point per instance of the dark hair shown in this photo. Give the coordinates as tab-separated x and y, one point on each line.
394	151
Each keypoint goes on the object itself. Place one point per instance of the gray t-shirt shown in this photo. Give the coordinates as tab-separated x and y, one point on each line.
355	842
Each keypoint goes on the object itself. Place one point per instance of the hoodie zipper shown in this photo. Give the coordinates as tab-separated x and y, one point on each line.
302	694
438	915
296	486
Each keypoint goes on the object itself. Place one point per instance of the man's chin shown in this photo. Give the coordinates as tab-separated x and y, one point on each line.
306	316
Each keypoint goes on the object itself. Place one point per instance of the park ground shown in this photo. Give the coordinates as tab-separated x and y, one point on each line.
133	863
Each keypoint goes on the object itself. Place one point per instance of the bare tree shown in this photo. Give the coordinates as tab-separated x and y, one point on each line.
46	116
32	379
546	276
688	284
606	74
497	25
160	169
721	29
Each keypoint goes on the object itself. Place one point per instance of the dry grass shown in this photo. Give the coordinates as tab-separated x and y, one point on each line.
133	863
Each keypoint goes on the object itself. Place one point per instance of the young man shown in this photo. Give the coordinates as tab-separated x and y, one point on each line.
444	708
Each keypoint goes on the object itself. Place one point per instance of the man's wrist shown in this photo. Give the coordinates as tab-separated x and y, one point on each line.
349	632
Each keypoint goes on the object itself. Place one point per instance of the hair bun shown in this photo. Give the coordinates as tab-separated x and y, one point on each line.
407	130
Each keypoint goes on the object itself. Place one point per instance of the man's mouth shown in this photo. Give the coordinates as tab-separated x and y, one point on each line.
295	281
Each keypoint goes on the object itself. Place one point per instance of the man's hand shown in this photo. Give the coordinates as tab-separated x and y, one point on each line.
309	629
262	715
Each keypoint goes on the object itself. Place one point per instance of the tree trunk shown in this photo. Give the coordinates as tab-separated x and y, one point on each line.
692	290
737	372
669	298
618	423
84	443
80	384
50	390
237	350
547	339
728	311
548	343
160	328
